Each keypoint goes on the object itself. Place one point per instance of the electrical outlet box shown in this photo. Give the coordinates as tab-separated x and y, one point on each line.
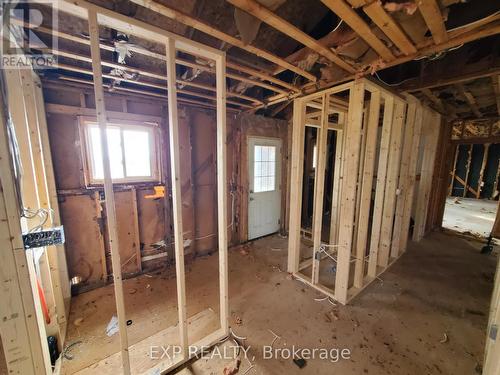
53	236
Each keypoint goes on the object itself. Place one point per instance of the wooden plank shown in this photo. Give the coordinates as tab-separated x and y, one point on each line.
467	170
133	26
137	236
410	148
347	205
391	185
52	192
389	105
434	99
149	84
296	175
390	28
130	252
264	14
209	30
453	172
48	263
464	184
481	172
433	123
366	189
21	343
200	324
145	52
147	73
222	210
336	188
319	187
173	131
469	98
108	190
25	259
492	346
349	16
434	19
495	231
410	191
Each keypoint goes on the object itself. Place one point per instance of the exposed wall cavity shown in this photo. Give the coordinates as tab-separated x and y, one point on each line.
145	221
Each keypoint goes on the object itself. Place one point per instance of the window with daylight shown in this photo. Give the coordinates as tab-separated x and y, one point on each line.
264	178
132	153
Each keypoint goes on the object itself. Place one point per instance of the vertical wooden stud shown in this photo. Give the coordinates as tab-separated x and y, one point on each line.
433	123
391	184
173	130
108	189
348	199
385	140
404	175
319	187
220	69
296	174
366	189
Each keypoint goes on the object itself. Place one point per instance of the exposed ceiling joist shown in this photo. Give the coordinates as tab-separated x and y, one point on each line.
146	73
47	83
267	16
434	19
149	84
434	99
145	52
469	98
345	12
418	84
390	27
211	31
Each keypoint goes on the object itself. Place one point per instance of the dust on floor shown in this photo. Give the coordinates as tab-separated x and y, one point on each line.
426	315
470	216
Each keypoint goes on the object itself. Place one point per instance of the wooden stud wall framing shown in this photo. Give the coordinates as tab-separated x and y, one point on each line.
23	332
392	158
26	328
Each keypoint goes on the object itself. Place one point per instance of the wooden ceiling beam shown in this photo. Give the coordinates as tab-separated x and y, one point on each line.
211	31
265	15
434	19
148	84
142	72
359	26
137	91
145	52
469	98
418	85
434	99
389	27
483	31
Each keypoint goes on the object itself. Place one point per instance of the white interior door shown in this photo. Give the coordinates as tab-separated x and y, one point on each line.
264	205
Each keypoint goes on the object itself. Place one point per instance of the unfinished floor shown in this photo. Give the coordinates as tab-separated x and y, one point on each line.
442	285
470	216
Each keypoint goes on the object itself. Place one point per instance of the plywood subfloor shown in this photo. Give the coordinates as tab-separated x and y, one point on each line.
395	326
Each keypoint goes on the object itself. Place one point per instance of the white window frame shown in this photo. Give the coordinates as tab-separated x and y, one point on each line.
154	151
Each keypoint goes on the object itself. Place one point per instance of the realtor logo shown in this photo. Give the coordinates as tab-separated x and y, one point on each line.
26	31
